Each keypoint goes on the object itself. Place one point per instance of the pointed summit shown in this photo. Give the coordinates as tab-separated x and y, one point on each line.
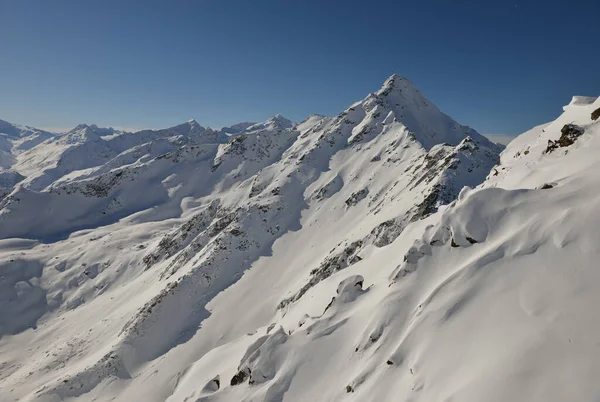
78	127
79	134
196	128
399	85
190	127
400	103
281	121
193	131
84	132
395	79
277	122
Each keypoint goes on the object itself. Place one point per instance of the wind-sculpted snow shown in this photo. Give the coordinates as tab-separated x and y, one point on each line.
444	170
256	262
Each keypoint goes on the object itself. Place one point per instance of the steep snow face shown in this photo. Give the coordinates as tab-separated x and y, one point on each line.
193	264
487	299
405	103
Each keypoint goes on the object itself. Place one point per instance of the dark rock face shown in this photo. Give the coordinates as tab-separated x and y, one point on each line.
386	232
356	197
239	378
177	240
98	187
332	264
551	146
596	114
570	133
429	205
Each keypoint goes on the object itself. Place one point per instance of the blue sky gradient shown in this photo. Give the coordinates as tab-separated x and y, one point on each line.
500	67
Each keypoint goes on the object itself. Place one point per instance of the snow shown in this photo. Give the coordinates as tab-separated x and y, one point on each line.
277	122
341	258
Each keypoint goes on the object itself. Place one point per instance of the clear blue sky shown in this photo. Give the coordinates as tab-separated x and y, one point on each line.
498	66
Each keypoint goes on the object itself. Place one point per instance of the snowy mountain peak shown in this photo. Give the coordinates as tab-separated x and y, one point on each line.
78	127
80	133
399	85
84	132
190	127
281	121
273	123
396	80
195	126
400	104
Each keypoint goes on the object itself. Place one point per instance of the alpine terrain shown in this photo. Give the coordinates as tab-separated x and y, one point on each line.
384	254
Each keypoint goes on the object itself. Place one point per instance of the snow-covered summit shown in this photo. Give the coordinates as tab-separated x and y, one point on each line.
277	122
396	82
102	131
81	133
399	102
191	127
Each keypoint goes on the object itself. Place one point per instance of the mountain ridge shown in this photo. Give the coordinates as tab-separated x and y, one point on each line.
190	264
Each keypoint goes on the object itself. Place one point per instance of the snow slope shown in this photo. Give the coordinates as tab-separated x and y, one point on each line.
335	259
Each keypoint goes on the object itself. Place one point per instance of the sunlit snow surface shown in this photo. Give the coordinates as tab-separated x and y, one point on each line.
304	262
